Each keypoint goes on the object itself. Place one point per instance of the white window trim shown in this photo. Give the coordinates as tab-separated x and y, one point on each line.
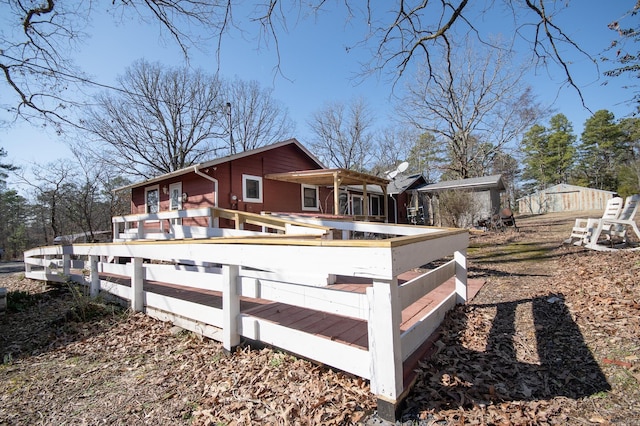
146	191
315	188
244	189
173	186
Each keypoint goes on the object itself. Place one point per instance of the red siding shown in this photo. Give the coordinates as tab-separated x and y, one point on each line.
276	196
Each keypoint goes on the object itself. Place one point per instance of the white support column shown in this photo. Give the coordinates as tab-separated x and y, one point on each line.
137	280
460	258
27	266
230	306
66	264
385	315
140	229
47	265
94	276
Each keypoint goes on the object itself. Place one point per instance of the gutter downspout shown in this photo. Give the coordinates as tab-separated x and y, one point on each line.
212	179
395	206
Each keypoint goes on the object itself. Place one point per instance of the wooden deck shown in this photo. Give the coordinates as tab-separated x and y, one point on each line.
350	331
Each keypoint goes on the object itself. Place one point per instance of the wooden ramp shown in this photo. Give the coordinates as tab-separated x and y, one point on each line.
350	331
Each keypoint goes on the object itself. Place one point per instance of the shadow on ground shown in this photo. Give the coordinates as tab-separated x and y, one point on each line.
560	363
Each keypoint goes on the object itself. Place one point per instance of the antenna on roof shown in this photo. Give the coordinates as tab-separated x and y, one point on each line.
401	168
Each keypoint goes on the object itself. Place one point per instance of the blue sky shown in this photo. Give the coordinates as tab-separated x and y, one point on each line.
319	69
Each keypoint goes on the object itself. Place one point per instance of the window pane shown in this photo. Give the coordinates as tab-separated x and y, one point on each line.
175	199
357	206
152	201
375	206
310	197
253	189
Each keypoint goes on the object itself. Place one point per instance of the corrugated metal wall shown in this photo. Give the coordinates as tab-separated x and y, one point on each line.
562	198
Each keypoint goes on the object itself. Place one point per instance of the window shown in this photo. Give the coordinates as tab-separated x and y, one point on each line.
251	189
310	199
175	196
152	199
376	205
344	203
356	203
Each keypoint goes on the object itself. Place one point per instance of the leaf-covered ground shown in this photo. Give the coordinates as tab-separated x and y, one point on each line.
552	338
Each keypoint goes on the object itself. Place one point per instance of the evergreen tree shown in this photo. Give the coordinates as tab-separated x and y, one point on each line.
602	151
534	147
561	149
549	153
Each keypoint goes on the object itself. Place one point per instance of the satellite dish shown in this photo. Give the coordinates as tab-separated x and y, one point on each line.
403	166
392	174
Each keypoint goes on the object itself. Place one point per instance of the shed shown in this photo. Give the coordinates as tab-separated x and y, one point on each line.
563	198
486	192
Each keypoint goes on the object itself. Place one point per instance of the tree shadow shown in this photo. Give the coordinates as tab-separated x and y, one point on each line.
558	362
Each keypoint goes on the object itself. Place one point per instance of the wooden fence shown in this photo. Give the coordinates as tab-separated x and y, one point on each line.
292	271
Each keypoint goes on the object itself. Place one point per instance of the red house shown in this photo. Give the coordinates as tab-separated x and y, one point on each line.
233	182
282	177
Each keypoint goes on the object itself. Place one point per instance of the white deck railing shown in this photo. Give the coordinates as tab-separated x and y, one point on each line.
294	271
168	225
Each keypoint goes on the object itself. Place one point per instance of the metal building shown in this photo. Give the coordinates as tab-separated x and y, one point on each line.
563	198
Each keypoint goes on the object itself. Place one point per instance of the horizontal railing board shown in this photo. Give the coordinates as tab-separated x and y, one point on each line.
316	298
174	274
415	336
419	253
197	327
203	313
415	289
344	357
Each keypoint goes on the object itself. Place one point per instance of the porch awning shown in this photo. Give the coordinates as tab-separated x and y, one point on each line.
335	178
328	176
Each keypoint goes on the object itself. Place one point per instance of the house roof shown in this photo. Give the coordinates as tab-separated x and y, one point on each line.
402	183
328	177
224	159
476	184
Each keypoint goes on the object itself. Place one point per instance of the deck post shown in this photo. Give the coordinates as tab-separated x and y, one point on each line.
385	316
66	264
230	306
137	279
141	229
47	265
460	258
94	277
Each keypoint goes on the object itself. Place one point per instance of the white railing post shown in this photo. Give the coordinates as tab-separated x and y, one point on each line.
66	264
94	276
140	229
230	306
27	265
460	258
137	280
385	316
47	265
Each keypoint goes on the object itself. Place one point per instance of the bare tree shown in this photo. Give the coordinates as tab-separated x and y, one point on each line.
474	105
343	134
162	119
257	118
35	55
